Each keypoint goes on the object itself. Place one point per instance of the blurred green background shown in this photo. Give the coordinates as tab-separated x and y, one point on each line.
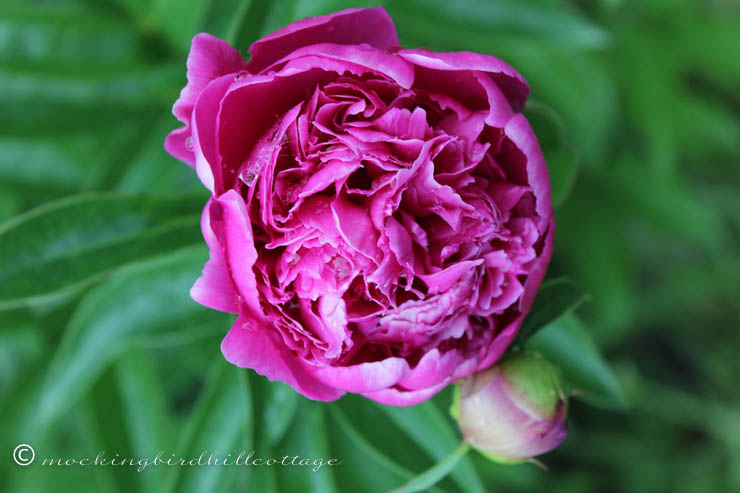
637	105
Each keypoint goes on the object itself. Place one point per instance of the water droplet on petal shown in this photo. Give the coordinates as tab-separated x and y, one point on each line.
189	144
250	177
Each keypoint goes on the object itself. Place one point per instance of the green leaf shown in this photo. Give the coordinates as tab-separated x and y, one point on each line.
226	17
568	345
84	100
145	304
561	158
151	170
190	16
251	25
432	431
145	414
105	407
220	424
377	440
555	298
66	37
432	476
498	20
66	243
280	405
308	439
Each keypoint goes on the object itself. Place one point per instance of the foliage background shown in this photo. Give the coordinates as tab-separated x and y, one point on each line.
643	96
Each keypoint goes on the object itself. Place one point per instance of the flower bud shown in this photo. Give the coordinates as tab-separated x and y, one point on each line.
514	410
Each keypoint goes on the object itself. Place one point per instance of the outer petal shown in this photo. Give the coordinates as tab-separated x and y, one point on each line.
521	134
233	229
351	26
179	144
511	83
215	288
249	344
209	59
204	121
396	397
434	369
365	377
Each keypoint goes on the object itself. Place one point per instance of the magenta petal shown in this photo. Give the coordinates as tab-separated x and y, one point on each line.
250	106
501	343
434	369
364	377
204	124
215	288
180	145
511	83
442	281
396	397
209	59
351	26
234	230
521	134
321	56
249	345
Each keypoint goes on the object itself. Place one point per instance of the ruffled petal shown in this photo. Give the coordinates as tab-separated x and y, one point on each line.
511	83
521	134
322	55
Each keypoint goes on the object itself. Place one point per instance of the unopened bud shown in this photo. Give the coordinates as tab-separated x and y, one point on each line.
514	410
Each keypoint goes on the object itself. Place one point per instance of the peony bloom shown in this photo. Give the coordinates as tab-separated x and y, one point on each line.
380	217
514	410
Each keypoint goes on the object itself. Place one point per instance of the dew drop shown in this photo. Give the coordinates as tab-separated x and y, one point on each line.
250	177
189	144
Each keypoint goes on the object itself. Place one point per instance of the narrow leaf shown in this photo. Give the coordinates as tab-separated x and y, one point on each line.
554	299
429	478
220	425
66	243
144	304
431	430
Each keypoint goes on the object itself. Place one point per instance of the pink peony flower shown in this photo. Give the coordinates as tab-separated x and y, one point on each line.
380	217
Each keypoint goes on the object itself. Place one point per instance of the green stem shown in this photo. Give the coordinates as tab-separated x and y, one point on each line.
434	474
